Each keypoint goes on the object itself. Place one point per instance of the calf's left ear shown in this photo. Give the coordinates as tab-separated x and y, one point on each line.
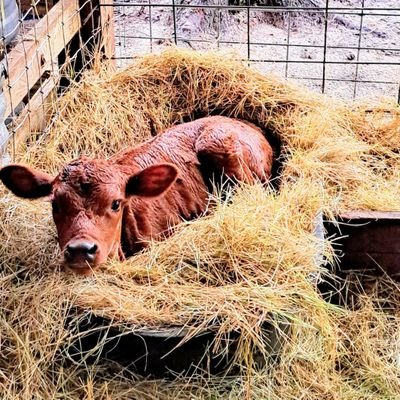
26	182
152	181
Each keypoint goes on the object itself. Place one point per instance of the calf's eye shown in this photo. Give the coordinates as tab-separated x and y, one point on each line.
115	205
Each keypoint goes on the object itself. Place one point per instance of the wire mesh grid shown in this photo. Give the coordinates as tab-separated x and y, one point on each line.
345	48
43	51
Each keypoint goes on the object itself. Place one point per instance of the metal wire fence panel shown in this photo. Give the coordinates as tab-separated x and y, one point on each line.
45	47
345	48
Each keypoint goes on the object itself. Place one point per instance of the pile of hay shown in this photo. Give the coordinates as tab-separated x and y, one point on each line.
249	261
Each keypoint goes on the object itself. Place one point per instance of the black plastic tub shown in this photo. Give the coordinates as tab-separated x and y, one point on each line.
162	352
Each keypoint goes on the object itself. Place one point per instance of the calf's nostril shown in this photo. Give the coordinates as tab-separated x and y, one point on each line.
93	249
67	254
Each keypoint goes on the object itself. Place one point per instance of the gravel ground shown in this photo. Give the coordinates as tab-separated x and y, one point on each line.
299	38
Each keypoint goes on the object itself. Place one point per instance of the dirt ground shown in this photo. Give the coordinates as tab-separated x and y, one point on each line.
276	38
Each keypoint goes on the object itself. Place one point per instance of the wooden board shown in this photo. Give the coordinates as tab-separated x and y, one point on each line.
367	241
29	59
97	30
107	29
36	114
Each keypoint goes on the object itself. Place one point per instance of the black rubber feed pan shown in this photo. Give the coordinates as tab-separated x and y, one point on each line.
159	352
368	246
367	241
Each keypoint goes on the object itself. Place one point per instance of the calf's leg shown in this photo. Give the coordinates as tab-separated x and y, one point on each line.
235	150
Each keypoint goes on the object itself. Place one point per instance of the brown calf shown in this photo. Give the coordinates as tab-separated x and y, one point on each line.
112	208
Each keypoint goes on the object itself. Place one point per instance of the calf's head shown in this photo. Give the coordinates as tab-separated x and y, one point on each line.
88	198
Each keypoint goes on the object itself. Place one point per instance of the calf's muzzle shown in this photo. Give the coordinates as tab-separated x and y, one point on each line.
80	253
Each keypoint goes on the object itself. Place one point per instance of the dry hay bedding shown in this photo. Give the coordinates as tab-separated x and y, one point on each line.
249	260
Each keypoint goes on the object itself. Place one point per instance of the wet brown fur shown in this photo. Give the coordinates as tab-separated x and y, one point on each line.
85	188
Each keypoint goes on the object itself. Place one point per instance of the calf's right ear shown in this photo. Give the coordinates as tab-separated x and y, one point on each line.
152	181
25	182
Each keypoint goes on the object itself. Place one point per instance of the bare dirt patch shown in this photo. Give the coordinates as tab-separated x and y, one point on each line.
361	50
